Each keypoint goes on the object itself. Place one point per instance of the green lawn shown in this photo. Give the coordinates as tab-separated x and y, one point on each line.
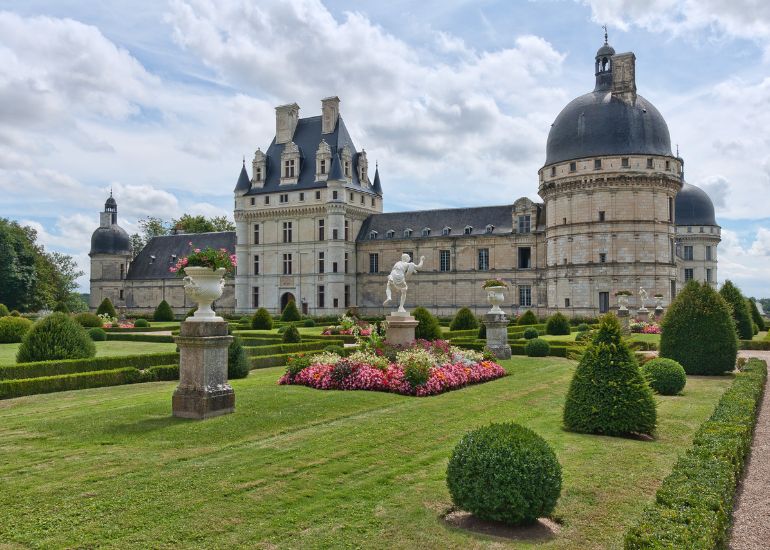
8	351
301	468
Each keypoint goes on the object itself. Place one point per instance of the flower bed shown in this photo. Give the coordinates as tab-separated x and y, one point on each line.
426	368
643	327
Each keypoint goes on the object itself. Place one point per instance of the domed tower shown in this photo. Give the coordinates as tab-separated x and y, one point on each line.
609	184
697	236
110	255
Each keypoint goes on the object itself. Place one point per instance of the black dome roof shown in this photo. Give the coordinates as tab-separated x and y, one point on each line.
694	207
597	124
110	240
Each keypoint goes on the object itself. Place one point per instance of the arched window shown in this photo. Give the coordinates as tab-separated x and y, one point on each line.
390	234
446	231
372	234
468	230
426	231
407	232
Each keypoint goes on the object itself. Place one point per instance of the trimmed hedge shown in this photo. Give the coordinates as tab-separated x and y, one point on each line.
528	318
88	320
266	361
531	334
290	312
756	344
13	329
69	366
141	323
554	351
464	319
557	324
537	347
4	310
693	506
160	372
128	337
163	312
97	334
427	325
262	320
291	335
285	348
238	364
78	381
139	329
57	336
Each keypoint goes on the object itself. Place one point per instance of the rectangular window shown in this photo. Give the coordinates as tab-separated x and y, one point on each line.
347	296
255	296
524	224
624	162
649	163
374	263
709	257
688	275
602	257
688	253
288	168
287	232
336	302
483	259
283	198
256	233
301	197
346	262
335	234
708	275
351	197
120	297
323	166
321	262
525	295
287	264
604	302
525	257
372	202
444	260
597	164
573	166
334	267
321	296
252	201
553	171
362	199
347	230
318	195
321	230
673	289
267	199
668	165
670	209
566	302
334	195
256	264
601	215
258	174
122	272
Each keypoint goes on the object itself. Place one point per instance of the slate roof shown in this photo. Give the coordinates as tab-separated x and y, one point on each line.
110	240
694	207
162	248
455	218
307	136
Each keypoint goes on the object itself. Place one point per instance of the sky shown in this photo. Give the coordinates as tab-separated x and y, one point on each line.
161	101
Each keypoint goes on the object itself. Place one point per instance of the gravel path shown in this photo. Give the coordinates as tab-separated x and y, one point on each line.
751	515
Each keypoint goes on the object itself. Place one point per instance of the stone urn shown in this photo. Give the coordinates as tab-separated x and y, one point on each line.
622	302
495	297
658	302
204	285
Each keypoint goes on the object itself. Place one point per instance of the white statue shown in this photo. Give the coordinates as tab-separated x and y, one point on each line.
642	297
397	279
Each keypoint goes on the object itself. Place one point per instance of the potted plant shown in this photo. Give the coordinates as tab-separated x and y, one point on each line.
495	296
204	272
622	296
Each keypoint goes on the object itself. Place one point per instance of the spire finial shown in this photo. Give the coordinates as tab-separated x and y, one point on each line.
376	165
244	161
110	191
677	150
605	33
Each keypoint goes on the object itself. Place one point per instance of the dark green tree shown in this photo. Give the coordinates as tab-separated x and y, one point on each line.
557	324
262	320
238	363
291	335
464	319
18	265
528	318
428	327
740	311
290	312
755	315
163	312
106	307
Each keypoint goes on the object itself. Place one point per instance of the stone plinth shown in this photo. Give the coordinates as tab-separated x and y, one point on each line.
400	328
643	314
203	390
623	315
497	335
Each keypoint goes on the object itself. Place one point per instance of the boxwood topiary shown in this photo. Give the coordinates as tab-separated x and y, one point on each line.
308	323
557	324
55	337
262	320
527	319
141	323
163	312
238	364
13	329
88	320
282	329
740	310
537	347
531	333
291	335
504	472
698	331
4	311
665	376
106	307
464	319
290	312
608	393
583	327
428	327
97	334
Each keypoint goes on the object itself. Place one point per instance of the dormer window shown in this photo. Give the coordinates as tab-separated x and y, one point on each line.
468	230
407	232
323	160
390	234
258	174
322	166
347	168
346	157
258	169
489	228
288	168
372	235
152	259
426	231
290	163
446	231
363	168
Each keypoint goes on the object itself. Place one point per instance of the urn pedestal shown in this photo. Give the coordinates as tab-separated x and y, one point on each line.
643	314
400	329
203	390
623	315
497	335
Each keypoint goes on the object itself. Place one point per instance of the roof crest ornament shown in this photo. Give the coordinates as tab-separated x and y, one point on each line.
605	33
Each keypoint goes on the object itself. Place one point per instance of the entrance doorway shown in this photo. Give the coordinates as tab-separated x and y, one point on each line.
604	302
285	299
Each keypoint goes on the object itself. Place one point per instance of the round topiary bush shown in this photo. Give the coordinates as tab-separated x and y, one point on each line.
740	310
428	327
308	323
55	337
608	393
141	323
464	319
163	312
238	364
97	334
537	347
15	313
106	307
88	320
698	331
13	329
557	324
583	327
504	472
527	319
291	335
262	320
665	376
4	311
531	333
290	312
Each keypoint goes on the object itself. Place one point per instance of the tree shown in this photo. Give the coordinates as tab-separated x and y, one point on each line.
290	312
163	312
18	265
201	224
428	327
106	307
755	315
464	319
740	311
528	318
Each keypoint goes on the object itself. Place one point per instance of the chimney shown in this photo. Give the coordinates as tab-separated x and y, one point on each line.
286	117
624	77
330	111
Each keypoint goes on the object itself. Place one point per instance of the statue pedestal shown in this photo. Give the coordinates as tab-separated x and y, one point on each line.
203	390
400	330
497	335
643	314
623	315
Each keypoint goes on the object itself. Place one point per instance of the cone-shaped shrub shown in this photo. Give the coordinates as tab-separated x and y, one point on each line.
528	318
557	324
163	312
290	312
13	329
698	331
106	307
88	320
428	327
665	376
741	315
262	320
608	394
756	316
291	335
464	319
238	364
4	311
57	336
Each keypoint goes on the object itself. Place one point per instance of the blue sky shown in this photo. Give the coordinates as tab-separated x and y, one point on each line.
160	100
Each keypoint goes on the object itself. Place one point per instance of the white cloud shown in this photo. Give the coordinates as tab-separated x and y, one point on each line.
746	266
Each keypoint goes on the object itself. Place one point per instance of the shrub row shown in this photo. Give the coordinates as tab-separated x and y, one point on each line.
158	338
70	366
285	348
160	372
755	344
555	351
78	381
693	505
266	361
138	329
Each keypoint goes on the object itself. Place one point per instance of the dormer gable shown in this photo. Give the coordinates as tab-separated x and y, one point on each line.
323	161
258	170
290	163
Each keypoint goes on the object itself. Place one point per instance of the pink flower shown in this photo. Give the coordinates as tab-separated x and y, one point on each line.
197	250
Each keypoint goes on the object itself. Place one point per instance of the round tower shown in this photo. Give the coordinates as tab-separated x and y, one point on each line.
697	236
110	257
609	184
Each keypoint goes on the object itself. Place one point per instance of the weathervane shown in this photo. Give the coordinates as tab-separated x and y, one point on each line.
605	33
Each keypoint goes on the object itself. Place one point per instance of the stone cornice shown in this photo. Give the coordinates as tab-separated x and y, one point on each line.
605	182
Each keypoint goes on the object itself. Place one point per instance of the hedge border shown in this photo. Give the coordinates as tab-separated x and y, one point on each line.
128	337
693	506
138	329
72	366
755	344
77	381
